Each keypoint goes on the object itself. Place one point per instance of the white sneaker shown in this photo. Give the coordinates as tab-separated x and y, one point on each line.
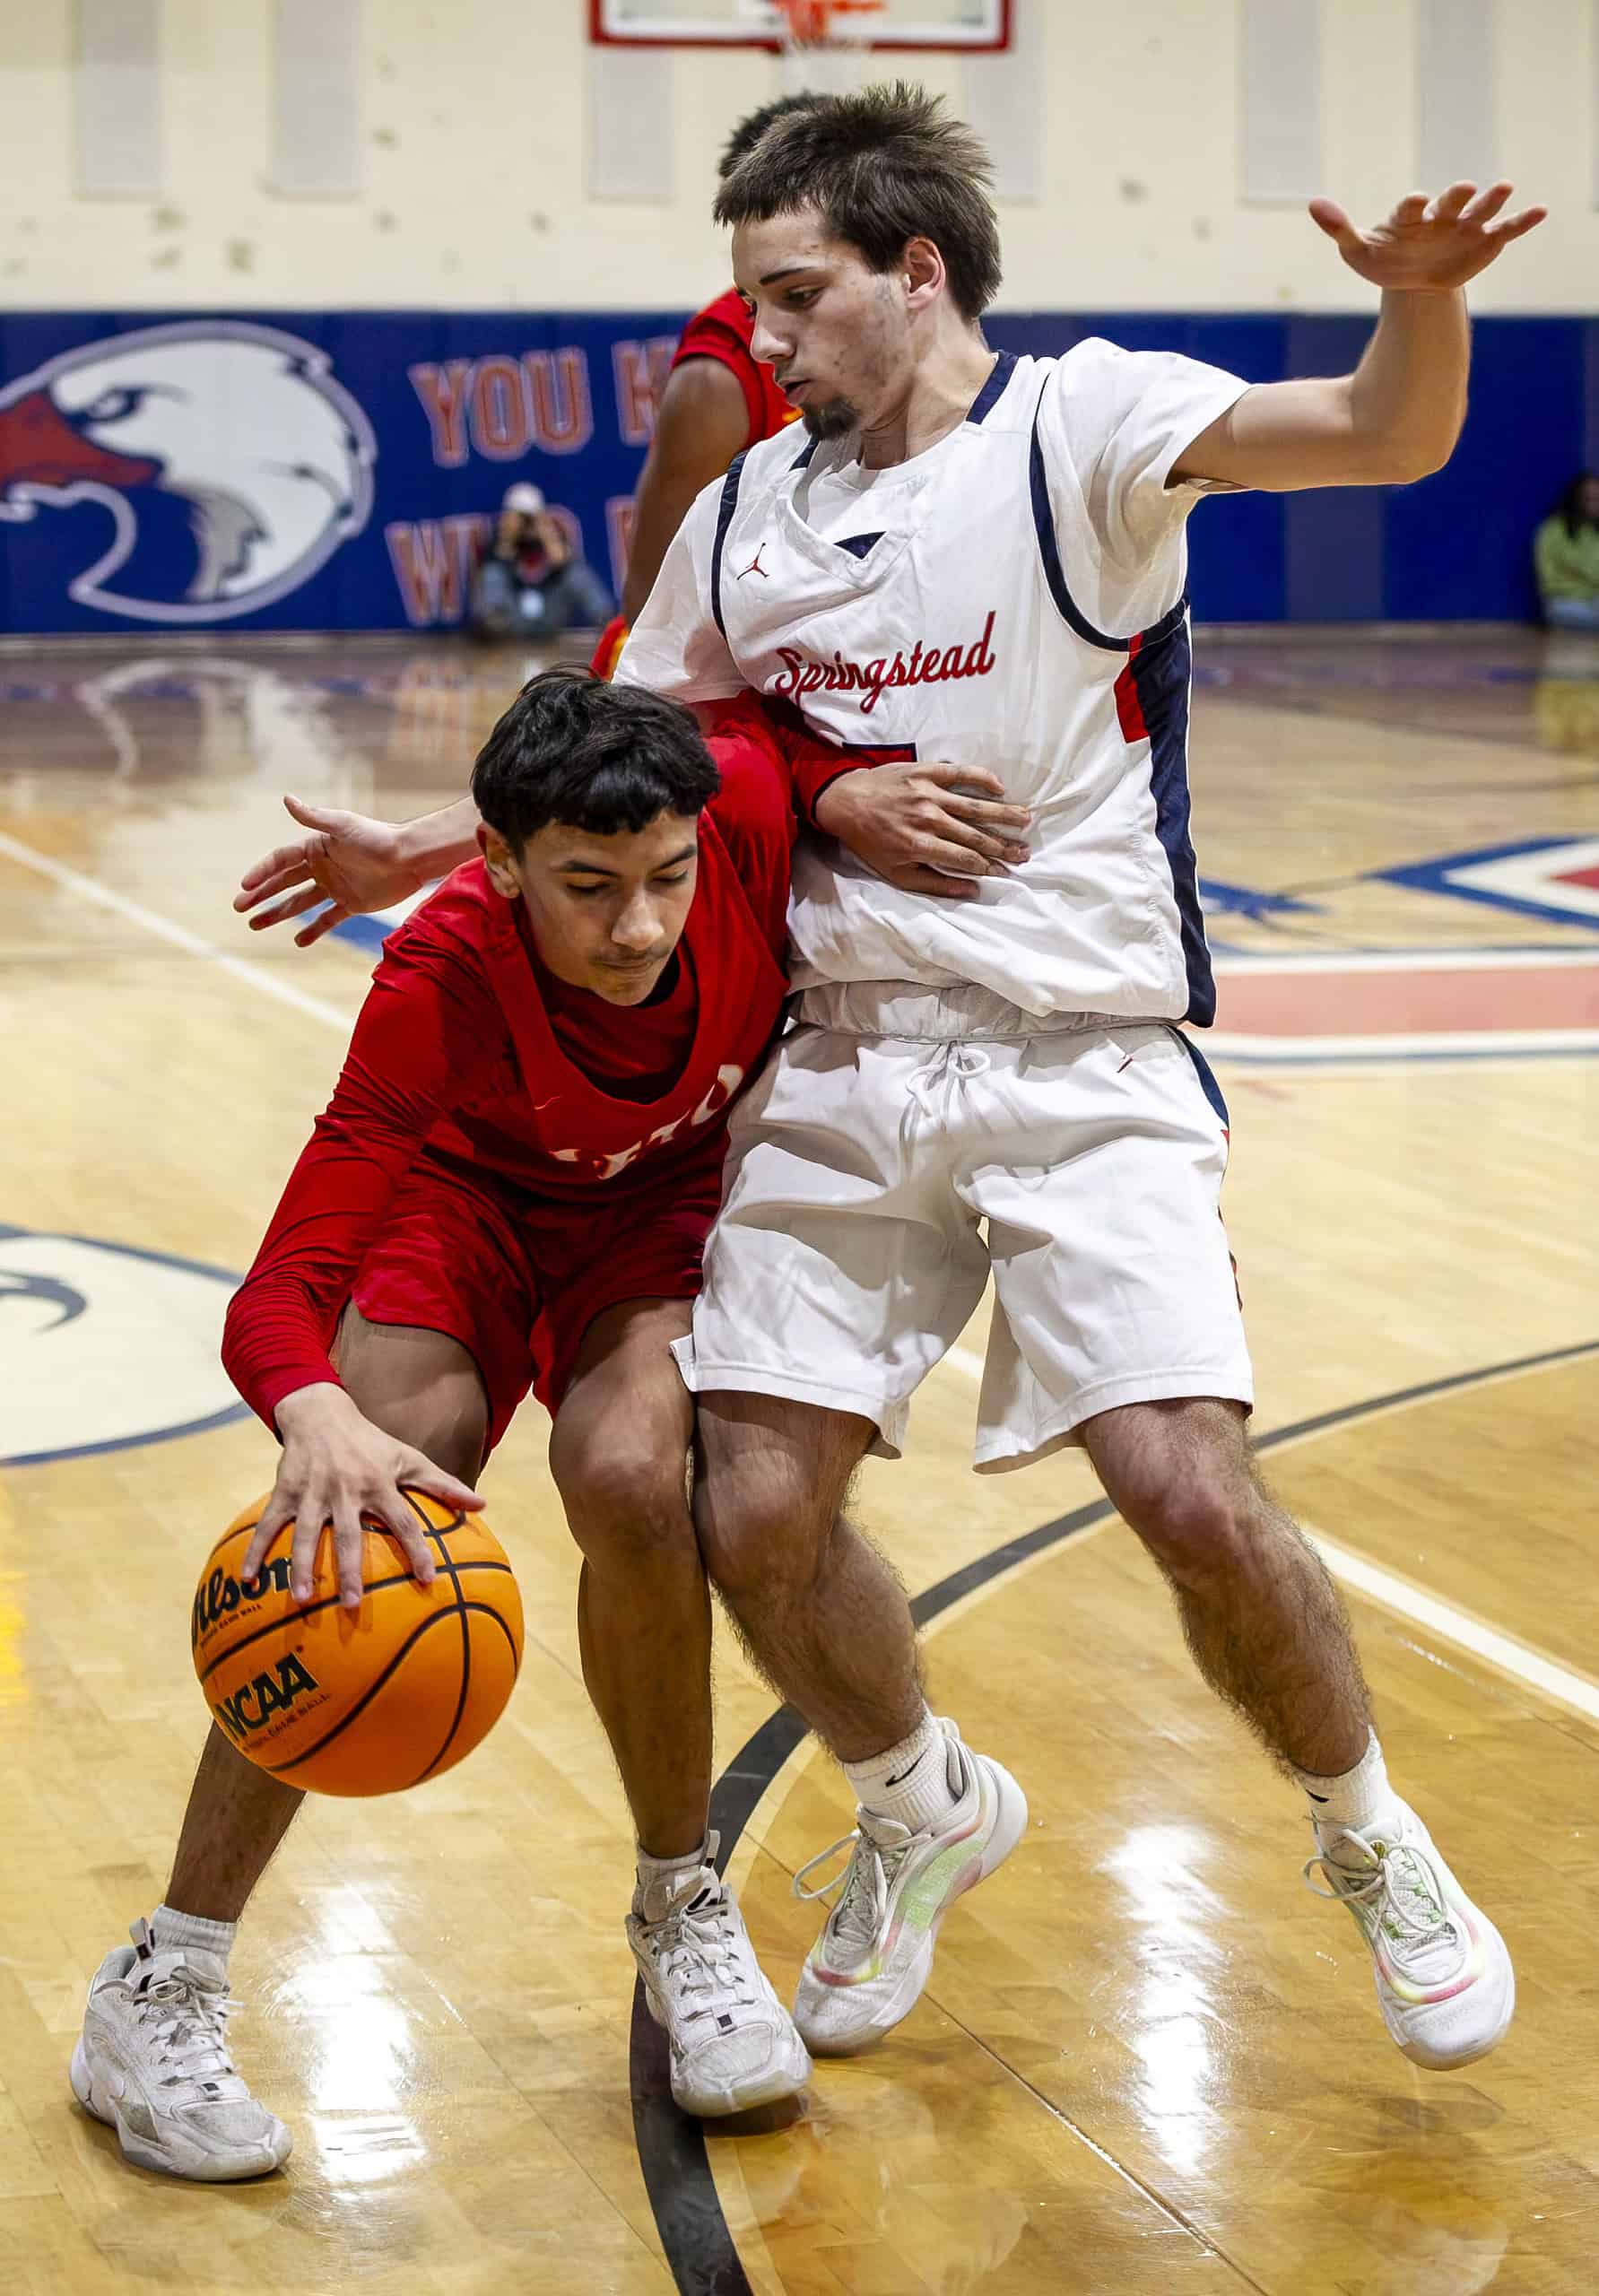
153	2061
867	1969
732	2043
1444	1980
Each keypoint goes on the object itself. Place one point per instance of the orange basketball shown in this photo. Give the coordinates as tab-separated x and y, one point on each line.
369	1700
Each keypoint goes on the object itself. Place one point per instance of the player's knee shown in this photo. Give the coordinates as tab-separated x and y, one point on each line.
420	1386
626	1503
1194	1521
450	1429
759	1533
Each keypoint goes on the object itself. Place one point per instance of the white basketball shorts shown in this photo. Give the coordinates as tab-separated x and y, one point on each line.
905	1143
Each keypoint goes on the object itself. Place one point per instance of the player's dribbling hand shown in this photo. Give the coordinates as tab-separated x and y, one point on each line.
355	863
1430	246
926	827
336	1468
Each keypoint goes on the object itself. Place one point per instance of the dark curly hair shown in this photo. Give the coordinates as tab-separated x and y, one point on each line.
598	757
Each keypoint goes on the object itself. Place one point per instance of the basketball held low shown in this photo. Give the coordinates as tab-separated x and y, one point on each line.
364	1698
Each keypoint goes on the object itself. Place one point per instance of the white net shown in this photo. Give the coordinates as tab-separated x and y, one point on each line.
827	49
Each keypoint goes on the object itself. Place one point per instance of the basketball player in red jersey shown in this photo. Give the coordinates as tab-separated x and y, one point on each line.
719	399
511	1188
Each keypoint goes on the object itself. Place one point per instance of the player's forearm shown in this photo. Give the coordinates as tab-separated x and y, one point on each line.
1407	397
434	844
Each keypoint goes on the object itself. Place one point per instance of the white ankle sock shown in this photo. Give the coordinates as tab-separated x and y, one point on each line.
653	1871
1361	1799
170	1930
911	1781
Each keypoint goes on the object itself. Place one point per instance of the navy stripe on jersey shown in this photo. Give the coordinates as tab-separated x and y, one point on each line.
860	545
1152	702
1055	573
729	504
803	460
1207	1079
988	397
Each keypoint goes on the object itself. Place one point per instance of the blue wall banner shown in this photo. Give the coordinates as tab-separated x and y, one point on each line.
338	471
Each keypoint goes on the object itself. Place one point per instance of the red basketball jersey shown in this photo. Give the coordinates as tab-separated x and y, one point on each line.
723	330
456	1057
549	1125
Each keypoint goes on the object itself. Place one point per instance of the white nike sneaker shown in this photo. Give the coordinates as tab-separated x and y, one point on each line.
867	1969
732	2043
1444	1980
153	2061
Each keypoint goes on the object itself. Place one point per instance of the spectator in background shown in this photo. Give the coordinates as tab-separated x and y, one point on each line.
531	583
1565	556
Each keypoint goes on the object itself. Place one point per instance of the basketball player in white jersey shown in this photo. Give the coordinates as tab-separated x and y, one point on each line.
982	560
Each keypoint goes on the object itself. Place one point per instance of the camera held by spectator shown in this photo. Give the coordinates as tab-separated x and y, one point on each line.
530	582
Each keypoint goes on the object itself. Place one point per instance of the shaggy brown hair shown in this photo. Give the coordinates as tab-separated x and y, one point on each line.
881	168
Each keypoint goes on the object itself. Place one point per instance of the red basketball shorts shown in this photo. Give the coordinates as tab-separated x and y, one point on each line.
517	1278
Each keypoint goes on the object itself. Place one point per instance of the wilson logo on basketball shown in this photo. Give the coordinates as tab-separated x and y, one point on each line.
220	1595
252	1707
923	665
367	1699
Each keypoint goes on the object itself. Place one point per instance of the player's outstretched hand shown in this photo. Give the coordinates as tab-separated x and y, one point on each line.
929	828
348	859
1431	245
336	1468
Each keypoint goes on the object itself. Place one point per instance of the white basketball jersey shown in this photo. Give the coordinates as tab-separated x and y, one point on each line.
1012	598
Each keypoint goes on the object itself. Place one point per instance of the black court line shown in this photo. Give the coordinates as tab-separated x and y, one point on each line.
699	2247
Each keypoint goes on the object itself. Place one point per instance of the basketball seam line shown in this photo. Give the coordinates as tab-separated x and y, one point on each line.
438	1618
234	1529
448	1561
330	1602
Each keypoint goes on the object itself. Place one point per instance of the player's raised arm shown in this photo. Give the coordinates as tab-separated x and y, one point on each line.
353	862
1397	417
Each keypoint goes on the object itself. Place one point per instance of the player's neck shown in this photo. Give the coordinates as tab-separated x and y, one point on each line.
938	401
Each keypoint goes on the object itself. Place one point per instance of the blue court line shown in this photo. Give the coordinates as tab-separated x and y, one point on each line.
1436	878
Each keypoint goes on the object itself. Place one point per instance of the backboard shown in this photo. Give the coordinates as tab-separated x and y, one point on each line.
972	26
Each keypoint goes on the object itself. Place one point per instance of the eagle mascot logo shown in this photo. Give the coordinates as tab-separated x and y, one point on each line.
233	463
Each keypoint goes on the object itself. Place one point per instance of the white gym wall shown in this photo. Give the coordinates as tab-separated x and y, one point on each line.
480	154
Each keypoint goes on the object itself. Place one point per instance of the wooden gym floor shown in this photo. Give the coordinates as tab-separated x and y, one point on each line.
1149	2062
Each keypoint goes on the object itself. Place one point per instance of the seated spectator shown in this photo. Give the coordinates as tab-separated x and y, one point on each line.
530	582
1566	557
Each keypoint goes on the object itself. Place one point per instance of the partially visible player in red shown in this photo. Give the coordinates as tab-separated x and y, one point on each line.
511	1188
718	399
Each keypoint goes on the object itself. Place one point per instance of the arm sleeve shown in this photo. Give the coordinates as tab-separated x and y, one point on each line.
773	768
751	726
1113	423
428	1025
675	648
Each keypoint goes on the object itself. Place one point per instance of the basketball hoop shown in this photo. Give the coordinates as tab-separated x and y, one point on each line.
826	44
